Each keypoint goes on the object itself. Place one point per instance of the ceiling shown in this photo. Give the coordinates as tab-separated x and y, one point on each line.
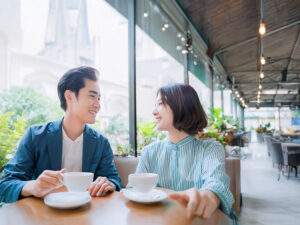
230	28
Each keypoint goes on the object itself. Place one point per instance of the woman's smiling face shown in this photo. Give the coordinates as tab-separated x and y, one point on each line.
163	115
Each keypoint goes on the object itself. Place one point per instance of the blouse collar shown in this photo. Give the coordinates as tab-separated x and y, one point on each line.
182	142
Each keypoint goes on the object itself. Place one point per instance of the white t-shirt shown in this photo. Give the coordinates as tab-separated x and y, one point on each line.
72	153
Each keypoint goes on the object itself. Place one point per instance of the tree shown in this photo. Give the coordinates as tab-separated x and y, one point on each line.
36	108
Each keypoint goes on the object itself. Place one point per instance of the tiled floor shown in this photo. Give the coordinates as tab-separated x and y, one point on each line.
265	200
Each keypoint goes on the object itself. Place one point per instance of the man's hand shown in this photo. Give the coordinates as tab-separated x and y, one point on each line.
200	203
101	186
48	181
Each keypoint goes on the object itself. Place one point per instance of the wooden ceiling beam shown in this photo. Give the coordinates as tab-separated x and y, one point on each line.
255	38
272	104
270	62
268	84
293	50
267	71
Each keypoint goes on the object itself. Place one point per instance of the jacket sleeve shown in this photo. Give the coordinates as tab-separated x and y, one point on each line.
214	177
18	171
106	167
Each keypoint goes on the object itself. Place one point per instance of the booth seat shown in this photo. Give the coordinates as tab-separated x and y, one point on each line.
127	165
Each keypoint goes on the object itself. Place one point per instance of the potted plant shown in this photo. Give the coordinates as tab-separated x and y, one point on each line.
221	128
262	130
147	133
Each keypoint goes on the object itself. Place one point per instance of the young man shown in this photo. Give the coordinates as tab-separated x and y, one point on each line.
47	151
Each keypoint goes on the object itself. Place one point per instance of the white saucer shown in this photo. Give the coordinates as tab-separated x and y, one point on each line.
67	200
146	198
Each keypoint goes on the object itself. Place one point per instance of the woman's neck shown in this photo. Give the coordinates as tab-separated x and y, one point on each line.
176	136
72	126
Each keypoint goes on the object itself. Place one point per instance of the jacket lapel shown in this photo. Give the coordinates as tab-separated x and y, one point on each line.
89	147
54	145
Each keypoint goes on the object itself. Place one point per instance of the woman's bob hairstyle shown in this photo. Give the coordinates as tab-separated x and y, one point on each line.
184	102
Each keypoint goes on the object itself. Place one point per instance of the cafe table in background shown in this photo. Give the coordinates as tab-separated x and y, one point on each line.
111	209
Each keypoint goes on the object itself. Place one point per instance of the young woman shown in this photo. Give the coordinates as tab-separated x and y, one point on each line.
183	163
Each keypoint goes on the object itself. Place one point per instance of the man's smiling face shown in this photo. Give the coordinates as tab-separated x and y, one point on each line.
87	104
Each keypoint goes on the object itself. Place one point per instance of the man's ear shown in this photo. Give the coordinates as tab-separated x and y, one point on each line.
68	96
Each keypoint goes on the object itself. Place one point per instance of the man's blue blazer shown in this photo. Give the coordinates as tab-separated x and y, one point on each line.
41	149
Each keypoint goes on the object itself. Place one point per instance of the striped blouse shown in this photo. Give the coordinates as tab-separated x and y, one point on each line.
187	164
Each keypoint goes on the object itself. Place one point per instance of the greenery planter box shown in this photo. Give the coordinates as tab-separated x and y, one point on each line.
260	137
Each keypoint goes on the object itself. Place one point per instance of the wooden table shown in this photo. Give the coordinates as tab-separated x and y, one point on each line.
111	209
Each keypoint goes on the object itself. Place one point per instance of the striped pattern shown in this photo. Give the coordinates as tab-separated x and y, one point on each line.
187	164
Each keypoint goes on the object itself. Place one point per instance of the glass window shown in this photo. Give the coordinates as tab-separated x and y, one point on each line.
227	103
235	115
256	117
262	116
158	61
40	45
217	93
200	79
202	90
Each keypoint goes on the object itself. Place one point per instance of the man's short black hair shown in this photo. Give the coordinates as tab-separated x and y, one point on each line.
184	102
73	80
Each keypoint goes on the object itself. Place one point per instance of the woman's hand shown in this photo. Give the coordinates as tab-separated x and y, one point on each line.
101	186
200	203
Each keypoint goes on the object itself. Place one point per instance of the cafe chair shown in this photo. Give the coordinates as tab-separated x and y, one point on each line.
237	142
269	144
291	156
276	155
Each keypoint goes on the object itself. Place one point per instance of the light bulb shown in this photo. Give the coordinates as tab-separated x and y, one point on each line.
236	92
260	86
184	51
166	25
178	47
262	29
262	60
262	75
163	28
146	14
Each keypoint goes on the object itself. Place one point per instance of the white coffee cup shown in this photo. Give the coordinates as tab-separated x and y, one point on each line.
143	182
77	181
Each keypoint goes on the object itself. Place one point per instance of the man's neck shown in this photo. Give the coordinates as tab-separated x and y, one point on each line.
176	136
72	126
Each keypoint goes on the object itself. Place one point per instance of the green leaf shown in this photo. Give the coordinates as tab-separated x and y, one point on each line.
10	133
36	108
